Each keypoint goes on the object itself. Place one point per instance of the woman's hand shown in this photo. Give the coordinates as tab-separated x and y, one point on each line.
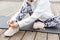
12	24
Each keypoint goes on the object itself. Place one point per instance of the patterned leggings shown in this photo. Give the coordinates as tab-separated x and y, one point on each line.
53	22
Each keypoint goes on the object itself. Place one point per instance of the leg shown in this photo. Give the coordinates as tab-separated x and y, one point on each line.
53	22
27	27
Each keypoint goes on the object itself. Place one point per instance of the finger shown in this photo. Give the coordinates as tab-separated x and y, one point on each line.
7	22
11	21
9	25
12	25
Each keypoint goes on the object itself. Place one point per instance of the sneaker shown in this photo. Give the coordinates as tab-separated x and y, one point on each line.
38	25
11	31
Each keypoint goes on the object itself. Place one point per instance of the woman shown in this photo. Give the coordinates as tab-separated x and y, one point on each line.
40	9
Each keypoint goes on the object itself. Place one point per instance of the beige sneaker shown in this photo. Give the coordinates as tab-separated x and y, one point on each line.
11	31
38	25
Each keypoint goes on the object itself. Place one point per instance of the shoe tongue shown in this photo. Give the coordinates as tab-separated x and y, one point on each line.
12	28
